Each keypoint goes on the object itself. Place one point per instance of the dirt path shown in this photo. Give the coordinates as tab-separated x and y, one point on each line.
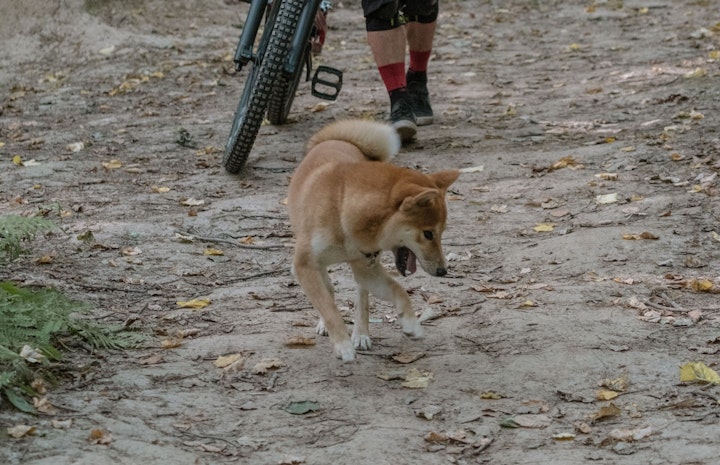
585	250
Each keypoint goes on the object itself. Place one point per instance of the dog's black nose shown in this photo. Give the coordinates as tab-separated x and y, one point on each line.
440	272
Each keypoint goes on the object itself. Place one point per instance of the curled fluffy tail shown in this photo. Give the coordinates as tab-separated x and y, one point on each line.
377	141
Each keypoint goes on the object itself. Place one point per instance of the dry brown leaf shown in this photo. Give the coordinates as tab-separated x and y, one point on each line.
98	436
607	411
408	357
299	341
19	431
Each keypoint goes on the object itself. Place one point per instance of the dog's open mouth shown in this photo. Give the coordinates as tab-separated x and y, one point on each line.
405	260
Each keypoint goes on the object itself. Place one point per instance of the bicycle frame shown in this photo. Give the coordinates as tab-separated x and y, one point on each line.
246	52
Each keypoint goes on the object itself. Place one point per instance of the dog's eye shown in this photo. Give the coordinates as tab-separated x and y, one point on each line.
428	235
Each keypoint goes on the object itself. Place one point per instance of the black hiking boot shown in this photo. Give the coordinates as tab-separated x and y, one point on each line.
419	98
401	115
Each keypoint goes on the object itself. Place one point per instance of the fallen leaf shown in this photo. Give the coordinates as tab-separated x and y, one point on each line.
321	106
17	160
606	394
213	252
564	436
43	405
472	169
416	379
160	190
152	359
171	343
20	431
701	285
617	384
98	436
607	176
302	407
428	412
194	303
131	251
698	372
299	341
266	364
61	424
544	227
75	147
112	165
607	411
642	236
32	355
491	395
630	435
532	420
408	357
606	198
192	202
227	360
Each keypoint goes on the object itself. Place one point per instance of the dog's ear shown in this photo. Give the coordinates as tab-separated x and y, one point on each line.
424	199
443	179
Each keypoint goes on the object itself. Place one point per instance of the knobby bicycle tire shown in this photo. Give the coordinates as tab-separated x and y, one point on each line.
284	92
259	88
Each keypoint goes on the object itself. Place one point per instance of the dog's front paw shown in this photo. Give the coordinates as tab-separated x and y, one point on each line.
412	328
361	341
320	328
344	350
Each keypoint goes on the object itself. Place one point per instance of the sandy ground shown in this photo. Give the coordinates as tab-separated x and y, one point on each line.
584	253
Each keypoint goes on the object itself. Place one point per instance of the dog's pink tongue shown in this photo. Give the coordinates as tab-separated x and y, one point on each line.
411	263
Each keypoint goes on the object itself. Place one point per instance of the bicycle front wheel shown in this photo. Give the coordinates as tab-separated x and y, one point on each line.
259	88
284	93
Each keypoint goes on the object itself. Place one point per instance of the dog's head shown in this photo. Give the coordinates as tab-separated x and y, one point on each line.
419	224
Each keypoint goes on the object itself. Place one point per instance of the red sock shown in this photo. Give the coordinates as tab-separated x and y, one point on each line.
393	75
419	60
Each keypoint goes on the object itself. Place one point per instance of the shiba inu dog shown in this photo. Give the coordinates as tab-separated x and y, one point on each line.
348	204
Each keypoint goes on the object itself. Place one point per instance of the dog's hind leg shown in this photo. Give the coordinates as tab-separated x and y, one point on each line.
376	280
315	285
320	328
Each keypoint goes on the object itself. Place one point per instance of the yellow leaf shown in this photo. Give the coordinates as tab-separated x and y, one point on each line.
112	165
2	144
606	394
544	227
528	303
160	190
698	372
644	10
17	160
194	303
574	47
491	395
715	54
696	73
610	140
20	431
607	411
213	252
227	360
701	285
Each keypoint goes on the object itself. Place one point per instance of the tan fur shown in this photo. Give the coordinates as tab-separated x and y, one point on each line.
347	204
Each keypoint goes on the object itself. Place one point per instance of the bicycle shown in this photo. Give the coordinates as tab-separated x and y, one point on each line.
276	67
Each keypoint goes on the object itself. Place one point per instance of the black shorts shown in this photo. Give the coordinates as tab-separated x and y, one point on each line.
408	7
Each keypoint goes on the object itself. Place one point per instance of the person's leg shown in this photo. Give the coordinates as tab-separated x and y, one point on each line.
386	38
420	35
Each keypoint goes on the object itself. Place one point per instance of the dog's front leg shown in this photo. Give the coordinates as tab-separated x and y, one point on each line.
376	280
315	286
361	328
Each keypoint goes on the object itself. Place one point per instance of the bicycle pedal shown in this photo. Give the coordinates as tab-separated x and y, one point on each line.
326	79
